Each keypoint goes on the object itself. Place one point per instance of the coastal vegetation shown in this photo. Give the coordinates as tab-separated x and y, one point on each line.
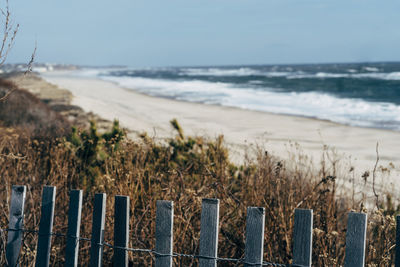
38	146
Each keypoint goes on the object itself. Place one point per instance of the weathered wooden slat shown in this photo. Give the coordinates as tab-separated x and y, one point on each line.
302	237
209	232
355	240
121	230
16	223
397	256
255	223
74	224
46	226
99	213
164	232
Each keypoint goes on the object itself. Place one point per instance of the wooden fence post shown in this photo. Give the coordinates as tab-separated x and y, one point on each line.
99	213
16	224
255	223
74	224
121	230
46	226
397	256
164	232
209	232
302	237
355	240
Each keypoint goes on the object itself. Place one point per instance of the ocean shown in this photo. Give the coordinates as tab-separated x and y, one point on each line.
359	94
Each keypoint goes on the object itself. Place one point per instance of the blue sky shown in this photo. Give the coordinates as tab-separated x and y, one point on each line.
206	32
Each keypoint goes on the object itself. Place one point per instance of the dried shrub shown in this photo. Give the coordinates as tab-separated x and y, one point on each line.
24	110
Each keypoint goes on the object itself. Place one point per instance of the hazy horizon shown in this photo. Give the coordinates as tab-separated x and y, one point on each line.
207	66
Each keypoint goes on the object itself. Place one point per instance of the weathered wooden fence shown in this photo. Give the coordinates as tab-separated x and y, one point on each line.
302	235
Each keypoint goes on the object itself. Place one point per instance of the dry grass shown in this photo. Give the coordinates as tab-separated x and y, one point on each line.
185	170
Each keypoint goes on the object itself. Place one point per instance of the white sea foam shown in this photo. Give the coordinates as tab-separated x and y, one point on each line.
330	75
311	104
278	74
320	75
379	75
218	72
256	82
239	72
323	75
371	69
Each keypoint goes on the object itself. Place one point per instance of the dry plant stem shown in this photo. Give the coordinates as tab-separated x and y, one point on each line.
4	98
30	63
9	34
374	176
12	156
314	190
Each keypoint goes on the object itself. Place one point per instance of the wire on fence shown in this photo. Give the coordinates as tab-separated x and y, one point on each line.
157	254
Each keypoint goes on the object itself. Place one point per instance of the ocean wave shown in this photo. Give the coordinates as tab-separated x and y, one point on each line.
238	72
218	72
247	71
323	75
395	76
371	69
355	112
194	91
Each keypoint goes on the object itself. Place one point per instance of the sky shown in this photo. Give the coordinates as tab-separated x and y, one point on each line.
146	33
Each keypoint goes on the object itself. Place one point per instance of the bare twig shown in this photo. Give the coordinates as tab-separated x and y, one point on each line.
9	34
324	180
30	63
374	176
4	98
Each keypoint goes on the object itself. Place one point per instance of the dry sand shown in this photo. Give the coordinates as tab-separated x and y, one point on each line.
277	134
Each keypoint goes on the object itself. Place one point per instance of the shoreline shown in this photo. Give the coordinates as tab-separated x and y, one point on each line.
69	73
280	135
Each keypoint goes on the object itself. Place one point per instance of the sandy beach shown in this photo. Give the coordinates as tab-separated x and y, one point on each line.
280	135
